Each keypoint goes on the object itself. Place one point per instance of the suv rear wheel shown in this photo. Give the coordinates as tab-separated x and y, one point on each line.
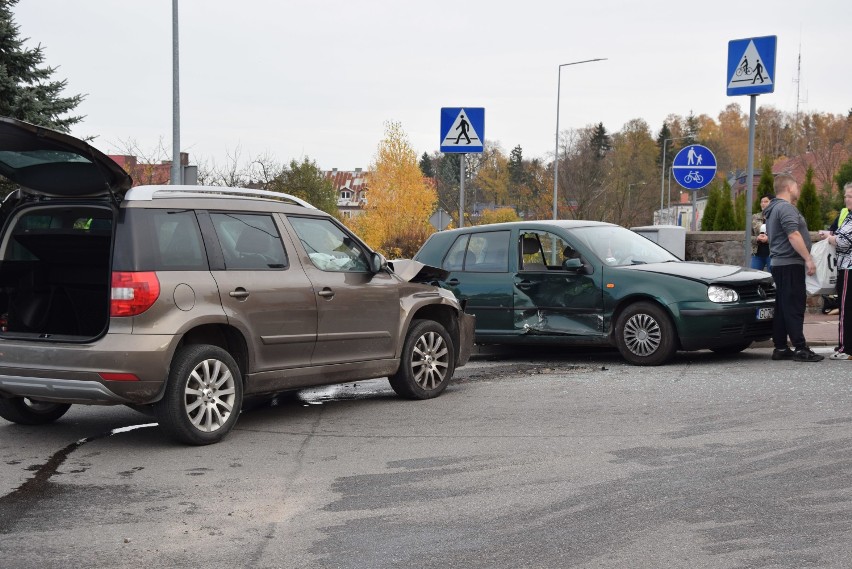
25	411
203	396
427	361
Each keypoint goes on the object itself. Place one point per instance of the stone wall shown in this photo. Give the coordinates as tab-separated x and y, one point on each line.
718	246
726	247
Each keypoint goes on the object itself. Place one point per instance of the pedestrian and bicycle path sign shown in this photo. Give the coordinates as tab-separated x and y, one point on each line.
751	65
462	129
694	167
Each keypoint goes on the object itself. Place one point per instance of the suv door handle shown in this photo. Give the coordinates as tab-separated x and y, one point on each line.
326	293
239	294
524	284
453	281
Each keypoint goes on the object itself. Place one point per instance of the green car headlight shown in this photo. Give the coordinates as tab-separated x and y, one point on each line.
722	294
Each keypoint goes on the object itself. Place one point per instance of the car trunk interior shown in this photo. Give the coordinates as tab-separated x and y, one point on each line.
55	272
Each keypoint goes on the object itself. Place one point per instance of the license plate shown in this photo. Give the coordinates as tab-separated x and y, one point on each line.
765	313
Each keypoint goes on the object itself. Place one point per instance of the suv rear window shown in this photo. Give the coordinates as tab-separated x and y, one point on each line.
158	240
249	241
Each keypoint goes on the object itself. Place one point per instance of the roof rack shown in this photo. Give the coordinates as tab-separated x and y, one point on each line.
147	193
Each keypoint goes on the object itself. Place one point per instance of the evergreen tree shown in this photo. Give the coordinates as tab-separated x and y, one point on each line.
808	203
692	129
27	91
724	220
739	211
665	134
600	142
426	166
765	186
843	176
517	174
710	209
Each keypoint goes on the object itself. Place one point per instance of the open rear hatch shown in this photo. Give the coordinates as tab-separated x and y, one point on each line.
55	248
51	163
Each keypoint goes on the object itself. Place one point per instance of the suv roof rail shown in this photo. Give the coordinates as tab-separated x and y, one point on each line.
147	193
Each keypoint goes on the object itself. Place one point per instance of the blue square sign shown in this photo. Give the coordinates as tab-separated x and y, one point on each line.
462	129
751	66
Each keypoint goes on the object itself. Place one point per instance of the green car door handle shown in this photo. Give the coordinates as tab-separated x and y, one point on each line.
453	282
524	284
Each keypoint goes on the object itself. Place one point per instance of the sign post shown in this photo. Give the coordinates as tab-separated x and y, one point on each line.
751	60
462	131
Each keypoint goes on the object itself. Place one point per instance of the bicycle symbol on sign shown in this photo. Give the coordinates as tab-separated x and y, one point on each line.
744	68
693	176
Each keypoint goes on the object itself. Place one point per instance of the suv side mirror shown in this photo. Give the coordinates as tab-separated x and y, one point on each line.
378	262
573	265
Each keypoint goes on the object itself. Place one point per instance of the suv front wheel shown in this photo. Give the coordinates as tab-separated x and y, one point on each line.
203	396
427	361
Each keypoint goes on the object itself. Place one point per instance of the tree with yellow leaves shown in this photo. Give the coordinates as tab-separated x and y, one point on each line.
399	199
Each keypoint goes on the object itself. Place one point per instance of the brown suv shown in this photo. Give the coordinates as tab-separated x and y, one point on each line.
182	300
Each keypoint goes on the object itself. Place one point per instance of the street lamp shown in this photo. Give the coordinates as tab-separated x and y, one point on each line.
663	172
556	152
630	187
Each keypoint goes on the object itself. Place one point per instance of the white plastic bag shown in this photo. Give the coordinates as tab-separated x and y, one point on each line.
825	259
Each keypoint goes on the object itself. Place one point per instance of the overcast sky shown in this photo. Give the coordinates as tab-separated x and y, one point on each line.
318	78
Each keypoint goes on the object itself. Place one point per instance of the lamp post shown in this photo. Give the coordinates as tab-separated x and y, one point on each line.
663	173
629	188
175	172
556	152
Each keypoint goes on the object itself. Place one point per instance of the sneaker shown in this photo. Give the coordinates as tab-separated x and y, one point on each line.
833	312
840	356
806	355
785	354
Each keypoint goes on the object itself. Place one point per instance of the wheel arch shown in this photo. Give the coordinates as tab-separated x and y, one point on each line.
223	336
444	315
633	299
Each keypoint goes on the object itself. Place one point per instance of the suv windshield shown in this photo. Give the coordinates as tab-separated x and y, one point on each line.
617	246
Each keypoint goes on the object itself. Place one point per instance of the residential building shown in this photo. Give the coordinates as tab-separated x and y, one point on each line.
351	188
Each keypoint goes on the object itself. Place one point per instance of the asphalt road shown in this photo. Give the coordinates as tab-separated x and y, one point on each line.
539	459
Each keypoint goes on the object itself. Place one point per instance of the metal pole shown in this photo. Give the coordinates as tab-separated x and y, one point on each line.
461	192
556	150
749	181
669	213
662	179
694	211
175	170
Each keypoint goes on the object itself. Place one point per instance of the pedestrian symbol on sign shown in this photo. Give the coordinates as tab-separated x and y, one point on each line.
461	133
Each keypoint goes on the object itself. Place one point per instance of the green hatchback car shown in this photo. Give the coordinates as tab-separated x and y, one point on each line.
590	283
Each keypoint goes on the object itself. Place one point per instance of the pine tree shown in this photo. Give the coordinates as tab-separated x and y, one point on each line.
724	220
600	141
665	134
765	186
710	209
739	211
426	166
27	91
808	203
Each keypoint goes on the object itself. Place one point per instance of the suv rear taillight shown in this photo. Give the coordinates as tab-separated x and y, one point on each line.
133	293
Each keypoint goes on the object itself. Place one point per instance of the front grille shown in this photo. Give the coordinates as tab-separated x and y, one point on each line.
758	291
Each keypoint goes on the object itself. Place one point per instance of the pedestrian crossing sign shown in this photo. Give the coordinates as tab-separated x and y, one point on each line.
462	129
751	66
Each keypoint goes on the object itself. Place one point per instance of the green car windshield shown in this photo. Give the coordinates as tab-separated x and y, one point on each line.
618	247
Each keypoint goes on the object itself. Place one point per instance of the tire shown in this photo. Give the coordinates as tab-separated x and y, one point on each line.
427	362
645	335
732	349
203	397
25	411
